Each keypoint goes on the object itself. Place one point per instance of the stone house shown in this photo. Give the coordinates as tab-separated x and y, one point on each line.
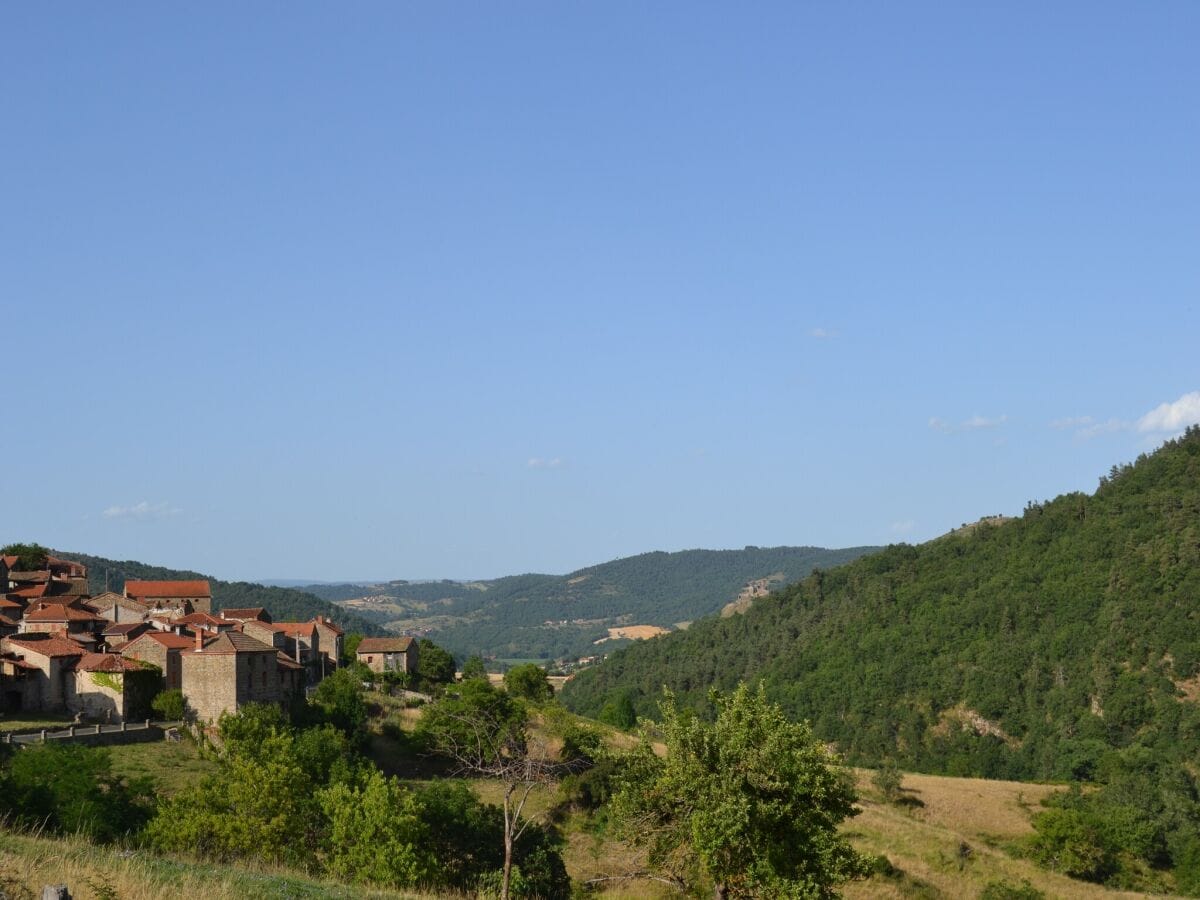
116	608
388	654
119	634
299	641
224	673
48	663
162	649
108	687
196	595
331	641
63	620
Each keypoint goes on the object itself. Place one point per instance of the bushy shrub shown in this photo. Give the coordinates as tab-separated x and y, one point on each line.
168	705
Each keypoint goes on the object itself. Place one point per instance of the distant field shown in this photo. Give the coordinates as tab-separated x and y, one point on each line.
633	633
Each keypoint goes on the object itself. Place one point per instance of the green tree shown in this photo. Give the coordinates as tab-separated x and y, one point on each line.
30	557
485	733
168	705
474	668
349	646
72	789
750	800
528	681
339	698
434	665
375	833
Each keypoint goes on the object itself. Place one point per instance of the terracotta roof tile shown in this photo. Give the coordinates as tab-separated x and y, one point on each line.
106	662
52	646
166	639
57	612
286	662
138	589
198	618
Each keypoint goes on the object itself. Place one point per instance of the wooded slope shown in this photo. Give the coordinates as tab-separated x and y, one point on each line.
1025	650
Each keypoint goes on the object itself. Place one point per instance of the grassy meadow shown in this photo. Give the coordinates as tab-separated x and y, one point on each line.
944	838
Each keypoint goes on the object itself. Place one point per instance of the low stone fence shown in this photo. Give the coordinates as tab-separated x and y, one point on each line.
91	735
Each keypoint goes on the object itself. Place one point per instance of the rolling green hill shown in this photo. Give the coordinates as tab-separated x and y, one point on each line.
284	604
1029	648
562	616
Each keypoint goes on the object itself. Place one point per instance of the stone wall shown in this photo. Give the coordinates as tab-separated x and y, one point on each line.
210	683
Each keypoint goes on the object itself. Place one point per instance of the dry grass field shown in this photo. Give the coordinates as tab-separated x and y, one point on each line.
947	838
951	837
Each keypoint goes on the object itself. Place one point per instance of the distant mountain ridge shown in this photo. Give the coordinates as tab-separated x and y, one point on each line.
563	616
284	604
1029	648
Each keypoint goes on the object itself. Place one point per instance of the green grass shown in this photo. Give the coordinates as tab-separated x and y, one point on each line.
28	862
173	766
28	721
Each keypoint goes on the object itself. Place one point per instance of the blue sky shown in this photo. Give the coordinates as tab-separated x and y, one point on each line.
461	290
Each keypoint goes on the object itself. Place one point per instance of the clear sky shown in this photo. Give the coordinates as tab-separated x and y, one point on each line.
467	289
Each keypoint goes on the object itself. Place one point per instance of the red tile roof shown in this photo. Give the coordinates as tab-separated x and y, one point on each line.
384	645
37	590
52	646
106	662
36	576
56	612
166	639
198	618
286	662
7	622
139	589
294	629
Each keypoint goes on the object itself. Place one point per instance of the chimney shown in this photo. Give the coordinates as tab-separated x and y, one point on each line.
199	640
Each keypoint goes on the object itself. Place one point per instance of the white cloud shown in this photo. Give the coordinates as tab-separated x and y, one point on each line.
538	462
975	423
1172	417
1072	422
905	526
142	510
1095	429
820	333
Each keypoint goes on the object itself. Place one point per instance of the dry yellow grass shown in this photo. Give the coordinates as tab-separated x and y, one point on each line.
926	842
633	633
29	863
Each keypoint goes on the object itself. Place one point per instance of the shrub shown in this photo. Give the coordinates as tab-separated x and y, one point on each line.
168	704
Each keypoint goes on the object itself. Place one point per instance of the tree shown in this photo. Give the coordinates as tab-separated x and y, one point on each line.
30	557
168	705
485	732
349	646
339	697
375	833
751	800
474	668
528	681
434	665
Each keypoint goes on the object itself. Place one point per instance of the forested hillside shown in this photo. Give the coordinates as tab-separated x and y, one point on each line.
1027	649
554	616
284	604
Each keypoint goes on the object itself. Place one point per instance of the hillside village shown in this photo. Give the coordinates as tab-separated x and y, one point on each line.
104	657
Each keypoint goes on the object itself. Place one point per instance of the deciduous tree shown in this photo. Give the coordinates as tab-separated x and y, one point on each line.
751	800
